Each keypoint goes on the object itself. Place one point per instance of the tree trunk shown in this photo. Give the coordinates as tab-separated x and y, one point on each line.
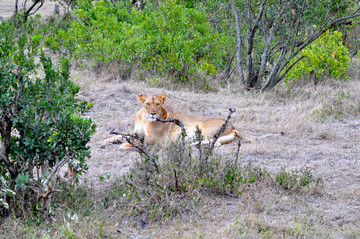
28	12
275	71
265	56
238	42
252	77
16	7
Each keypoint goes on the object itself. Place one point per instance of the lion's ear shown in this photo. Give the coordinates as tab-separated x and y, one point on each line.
141	97
162	98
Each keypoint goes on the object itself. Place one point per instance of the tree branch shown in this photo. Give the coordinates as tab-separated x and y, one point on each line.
54	170
28	12
274	72
266	52
288	69
140	148
315	36
221	130
237	152
183	131
250	39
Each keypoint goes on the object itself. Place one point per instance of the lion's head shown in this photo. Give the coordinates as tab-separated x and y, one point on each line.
153	106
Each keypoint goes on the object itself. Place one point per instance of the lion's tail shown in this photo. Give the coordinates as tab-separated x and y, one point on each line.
251	139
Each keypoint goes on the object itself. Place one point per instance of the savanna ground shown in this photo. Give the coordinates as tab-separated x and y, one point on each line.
317	136
322	132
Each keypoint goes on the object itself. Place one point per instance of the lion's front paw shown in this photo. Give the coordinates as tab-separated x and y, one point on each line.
118	139
126	146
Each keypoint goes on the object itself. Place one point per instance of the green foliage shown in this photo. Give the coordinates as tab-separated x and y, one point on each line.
181	41
295	179
173	40
38	102
325	57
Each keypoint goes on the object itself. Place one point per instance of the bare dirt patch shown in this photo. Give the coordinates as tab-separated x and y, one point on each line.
329	147
7	8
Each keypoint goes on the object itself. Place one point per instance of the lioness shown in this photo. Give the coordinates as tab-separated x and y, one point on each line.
151	130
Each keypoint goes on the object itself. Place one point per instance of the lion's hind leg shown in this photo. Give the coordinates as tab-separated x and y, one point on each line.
226	138
126	141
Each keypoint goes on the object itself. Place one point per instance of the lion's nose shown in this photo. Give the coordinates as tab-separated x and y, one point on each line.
153	114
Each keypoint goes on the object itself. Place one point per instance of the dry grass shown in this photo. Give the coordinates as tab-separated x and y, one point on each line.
317	135
328	145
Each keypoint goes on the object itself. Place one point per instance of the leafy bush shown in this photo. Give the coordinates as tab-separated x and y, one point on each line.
171	39
41	127
181	41
295	179
325	57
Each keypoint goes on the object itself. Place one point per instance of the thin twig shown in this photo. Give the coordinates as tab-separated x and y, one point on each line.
176	181
237	152
199	138
140	148
221	130
183	131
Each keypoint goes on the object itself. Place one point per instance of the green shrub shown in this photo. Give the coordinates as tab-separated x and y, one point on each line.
295	179
181	41
171	40
325	57
41	127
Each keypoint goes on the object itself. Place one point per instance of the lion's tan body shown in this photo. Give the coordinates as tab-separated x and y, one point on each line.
151	130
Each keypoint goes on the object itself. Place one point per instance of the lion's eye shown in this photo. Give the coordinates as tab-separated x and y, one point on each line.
157	105
148	105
